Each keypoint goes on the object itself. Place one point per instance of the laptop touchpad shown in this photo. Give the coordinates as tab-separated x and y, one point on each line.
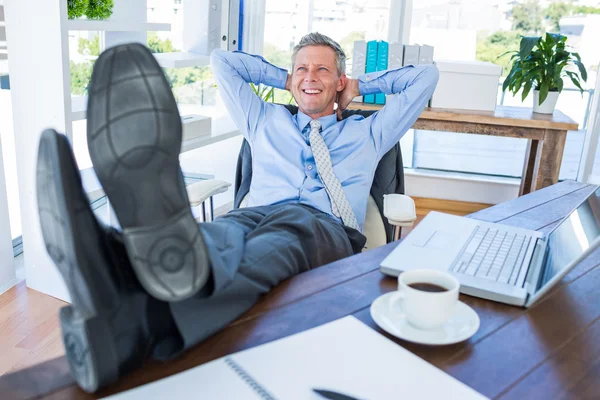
438	240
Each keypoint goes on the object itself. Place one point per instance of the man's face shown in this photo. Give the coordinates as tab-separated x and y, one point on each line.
315	80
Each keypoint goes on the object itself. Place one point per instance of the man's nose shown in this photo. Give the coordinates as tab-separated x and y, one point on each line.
311	75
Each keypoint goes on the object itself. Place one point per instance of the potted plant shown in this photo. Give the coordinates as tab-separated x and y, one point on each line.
541	63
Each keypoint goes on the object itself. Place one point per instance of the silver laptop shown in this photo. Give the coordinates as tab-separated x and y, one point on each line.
495	261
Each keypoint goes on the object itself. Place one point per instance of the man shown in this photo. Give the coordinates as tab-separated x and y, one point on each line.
163	284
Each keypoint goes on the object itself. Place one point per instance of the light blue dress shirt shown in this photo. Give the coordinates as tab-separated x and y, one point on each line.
283	166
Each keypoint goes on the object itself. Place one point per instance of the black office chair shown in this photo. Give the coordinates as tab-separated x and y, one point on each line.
388	209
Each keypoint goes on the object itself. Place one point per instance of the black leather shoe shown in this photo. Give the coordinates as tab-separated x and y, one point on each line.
134	140
105	333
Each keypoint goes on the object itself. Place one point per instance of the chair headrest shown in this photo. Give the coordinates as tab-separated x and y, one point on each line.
365	113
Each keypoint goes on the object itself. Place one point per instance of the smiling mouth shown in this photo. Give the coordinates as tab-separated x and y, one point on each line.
312	91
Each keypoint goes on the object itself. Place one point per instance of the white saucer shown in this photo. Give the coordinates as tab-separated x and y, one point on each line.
462	324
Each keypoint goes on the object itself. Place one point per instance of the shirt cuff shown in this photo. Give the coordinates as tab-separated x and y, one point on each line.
368	83
271	75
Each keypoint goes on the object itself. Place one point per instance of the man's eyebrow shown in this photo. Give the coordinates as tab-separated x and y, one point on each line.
304	65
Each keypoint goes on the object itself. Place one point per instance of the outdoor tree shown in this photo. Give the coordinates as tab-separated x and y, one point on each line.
277	56
489	48
89	47
555	11
158	45
581	10
527	17
80	77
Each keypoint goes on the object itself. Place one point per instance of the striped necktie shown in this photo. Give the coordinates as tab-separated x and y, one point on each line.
339	202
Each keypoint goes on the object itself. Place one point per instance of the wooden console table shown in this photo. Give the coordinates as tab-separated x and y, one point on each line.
545	134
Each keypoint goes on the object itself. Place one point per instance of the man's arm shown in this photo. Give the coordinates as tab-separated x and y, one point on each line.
412	87
233	71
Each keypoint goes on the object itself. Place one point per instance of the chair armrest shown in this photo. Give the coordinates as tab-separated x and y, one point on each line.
399	209
198	192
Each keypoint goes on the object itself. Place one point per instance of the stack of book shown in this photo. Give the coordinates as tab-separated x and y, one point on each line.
378	55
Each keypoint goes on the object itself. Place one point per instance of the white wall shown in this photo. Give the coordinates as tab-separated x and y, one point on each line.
39	101
8	277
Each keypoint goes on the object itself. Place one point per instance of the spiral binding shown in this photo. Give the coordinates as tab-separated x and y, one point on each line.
258	389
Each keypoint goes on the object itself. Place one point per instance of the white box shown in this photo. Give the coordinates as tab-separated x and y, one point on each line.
195	125
426	54
395	55
467	85
411	54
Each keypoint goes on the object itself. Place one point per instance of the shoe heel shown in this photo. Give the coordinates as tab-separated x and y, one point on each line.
89	349
170	260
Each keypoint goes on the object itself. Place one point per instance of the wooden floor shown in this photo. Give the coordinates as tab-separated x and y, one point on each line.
29	329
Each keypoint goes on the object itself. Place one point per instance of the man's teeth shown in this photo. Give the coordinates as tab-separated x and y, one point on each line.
311	91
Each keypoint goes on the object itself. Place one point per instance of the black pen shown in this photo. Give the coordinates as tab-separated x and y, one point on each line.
331	395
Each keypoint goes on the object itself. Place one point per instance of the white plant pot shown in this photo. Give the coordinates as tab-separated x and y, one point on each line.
547	107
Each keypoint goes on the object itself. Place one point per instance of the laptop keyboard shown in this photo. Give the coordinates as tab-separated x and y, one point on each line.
494	254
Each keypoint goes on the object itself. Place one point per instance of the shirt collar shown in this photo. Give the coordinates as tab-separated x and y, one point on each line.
326	121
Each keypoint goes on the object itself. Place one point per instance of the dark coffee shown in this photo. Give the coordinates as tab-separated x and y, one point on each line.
427	287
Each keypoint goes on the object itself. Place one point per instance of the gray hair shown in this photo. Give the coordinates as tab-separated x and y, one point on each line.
318	39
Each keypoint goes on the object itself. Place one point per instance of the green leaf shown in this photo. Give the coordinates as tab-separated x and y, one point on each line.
508	52
509	81
254	88
526	90
559	84
582	70
270	95
575	80
551	37
527	44
544	89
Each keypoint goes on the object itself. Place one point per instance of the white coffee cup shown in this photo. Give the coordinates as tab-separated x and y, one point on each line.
427	309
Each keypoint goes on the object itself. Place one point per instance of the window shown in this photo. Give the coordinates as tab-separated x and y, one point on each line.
194	87
344	21
482	30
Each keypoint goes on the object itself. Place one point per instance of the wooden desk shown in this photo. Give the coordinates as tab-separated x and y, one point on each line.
549	351
545	134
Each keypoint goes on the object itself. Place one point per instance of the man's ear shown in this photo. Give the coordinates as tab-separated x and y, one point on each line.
342	83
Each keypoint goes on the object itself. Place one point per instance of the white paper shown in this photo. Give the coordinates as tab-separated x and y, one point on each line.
349	357
213	380
344	356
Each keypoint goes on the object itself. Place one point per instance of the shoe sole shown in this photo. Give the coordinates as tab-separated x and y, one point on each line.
134	140
74	242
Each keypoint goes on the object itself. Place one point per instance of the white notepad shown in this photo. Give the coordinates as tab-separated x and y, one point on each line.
344	356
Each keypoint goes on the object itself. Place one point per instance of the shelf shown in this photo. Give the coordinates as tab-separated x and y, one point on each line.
78	112
120	26
182	60
191	144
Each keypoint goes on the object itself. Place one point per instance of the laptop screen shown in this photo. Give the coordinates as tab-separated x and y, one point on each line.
572	237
